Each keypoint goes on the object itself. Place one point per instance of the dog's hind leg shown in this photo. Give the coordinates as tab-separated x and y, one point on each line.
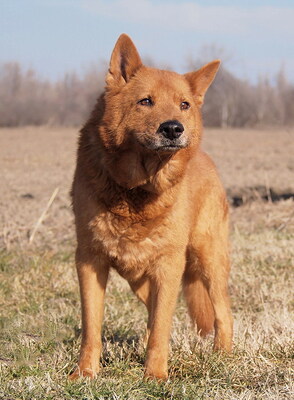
207	294
213	262
199	304
142	289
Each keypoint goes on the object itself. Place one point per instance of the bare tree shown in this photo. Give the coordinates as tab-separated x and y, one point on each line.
26	99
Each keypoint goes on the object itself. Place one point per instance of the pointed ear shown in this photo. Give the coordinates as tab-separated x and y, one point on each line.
124	62
200	80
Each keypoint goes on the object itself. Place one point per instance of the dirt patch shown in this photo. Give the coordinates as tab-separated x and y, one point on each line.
34	162
252	158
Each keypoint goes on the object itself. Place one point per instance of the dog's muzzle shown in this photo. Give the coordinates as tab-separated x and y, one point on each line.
171	136
171	130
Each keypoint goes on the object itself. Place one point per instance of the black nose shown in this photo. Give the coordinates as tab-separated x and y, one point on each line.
171	129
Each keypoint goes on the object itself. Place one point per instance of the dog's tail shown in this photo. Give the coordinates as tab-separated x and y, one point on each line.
199	305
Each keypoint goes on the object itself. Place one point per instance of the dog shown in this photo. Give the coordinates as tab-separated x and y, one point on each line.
148	202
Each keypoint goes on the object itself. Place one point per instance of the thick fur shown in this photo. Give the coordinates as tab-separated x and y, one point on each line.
150	206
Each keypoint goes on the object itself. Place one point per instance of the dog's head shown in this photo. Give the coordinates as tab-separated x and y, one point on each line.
149	119
151	109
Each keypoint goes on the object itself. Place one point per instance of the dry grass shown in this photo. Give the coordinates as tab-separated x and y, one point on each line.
39	300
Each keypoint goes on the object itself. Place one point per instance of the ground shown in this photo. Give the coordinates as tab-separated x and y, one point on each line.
39	299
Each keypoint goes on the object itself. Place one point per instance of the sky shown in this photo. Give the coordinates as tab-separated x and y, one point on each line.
254	38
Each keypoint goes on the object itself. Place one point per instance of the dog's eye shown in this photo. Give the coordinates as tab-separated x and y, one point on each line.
145	102
184	105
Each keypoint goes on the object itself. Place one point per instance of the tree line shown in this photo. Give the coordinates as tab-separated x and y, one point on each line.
27	99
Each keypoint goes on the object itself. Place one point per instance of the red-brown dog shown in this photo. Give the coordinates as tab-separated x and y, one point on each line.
148	202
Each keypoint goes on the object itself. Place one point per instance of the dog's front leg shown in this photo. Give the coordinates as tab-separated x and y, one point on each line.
165	289
92	273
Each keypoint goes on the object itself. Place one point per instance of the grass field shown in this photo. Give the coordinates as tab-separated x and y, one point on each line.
39	298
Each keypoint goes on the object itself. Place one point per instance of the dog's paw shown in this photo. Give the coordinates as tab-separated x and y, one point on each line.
158	375
83	373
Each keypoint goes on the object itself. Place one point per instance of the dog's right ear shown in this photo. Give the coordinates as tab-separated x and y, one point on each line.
201	80
124	62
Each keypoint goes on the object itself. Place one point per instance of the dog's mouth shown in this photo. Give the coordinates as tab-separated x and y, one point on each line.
171	147
161	144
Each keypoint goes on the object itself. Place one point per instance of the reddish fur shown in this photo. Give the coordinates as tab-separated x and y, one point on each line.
157	217
199	305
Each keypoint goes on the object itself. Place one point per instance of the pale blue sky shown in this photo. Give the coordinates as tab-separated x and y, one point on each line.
54	36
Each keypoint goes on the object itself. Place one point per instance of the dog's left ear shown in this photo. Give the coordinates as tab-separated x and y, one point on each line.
124	62
201	80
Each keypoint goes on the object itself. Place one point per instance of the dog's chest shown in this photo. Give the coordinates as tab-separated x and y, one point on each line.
130	245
